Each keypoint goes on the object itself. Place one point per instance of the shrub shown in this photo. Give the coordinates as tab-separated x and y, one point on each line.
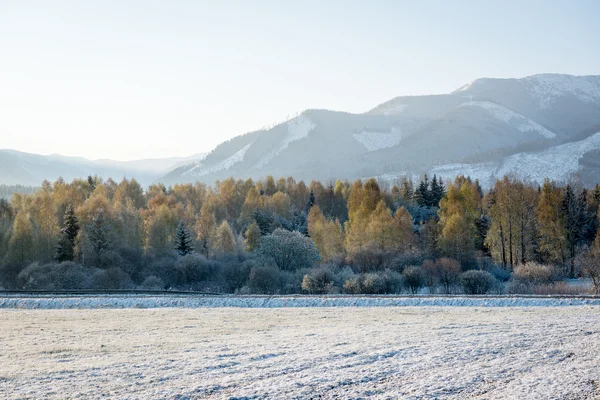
533	273
352	285
414	278
192	268
264	280
372	283
319	281
112	278
477	282
57	276
289	250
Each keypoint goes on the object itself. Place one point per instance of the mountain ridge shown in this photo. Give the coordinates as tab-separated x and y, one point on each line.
488	117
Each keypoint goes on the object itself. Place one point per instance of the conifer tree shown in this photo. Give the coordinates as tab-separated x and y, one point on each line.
99	237
65	251
183	240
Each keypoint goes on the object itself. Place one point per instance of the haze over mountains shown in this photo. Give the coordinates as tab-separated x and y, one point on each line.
18	168
536	127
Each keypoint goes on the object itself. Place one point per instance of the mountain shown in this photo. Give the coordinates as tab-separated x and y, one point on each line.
31	169
491	126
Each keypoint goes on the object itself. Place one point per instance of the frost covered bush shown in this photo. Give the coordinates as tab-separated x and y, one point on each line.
477	282
414	278
264	280
162	267
289	250
152	283
235	273
319	281
442	272
112	278
193	267
532	273
373	283
352	285
54	276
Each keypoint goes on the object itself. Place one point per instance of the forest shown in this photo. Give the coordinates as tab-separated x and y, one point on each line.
284	236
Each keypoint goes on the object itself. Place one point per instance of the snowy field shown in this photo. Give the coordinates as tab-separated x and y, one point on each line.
288	353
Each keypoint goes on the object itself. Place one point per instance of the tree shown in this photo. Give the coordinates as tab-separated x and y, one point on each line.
458	213
574	210
327	235
183	241
224	241
589	264
99	237
20	246
552	245
289	250
252	237
65	251
205	229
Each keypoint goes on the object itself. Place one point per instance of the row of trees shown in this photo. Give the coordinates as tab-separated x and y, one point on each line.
286	236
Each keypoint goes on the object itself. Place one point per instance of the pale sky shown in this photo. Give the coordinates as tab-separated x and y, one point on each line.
138	79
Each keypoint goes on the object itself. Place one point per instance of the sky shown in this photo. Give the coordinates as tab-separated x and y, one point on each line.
143	79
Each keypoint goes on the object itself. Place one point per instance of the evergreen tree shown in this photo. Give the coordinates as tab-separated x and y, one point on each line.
99	237
65	251
422	194
183	241
574	209
311	201
437	191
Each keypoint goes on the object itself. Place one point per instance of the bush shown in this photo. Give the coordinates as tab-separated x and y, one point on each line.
264	280
532	273
477	282
153	283
352	285
289	250
372	283
235	273
163	267
192	268
112	278
414	278
319	281
57	276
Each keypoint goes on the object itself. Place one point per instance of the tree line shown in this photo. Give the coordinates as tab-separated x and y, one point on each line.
284	236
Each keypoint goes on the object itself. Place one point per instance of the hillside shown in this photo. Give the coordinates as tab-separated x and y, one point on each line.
487	120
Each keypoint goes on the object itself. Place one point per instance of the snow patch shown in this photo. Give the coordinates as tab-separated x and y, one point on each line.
378	140
557	163
521	122
227	163
547	88
297	129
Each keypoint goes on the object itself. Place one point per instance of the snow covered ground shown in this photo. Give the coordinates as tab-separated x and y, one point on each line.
196	301
301	353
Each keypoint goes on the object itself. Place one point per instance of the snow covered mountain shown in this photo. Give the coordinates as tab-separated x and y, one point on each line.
31	169
485	121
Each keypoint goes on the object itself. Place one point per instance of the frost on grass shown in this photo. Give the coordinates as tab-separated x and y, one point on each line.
188	301
285	353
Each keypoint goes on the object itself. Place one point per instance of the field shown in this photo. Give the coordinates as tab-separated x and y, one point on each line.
287	353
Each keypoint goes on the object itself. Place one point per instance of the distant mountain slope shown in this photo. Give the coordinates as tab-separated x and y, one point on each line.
559	163
485	120
31	169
